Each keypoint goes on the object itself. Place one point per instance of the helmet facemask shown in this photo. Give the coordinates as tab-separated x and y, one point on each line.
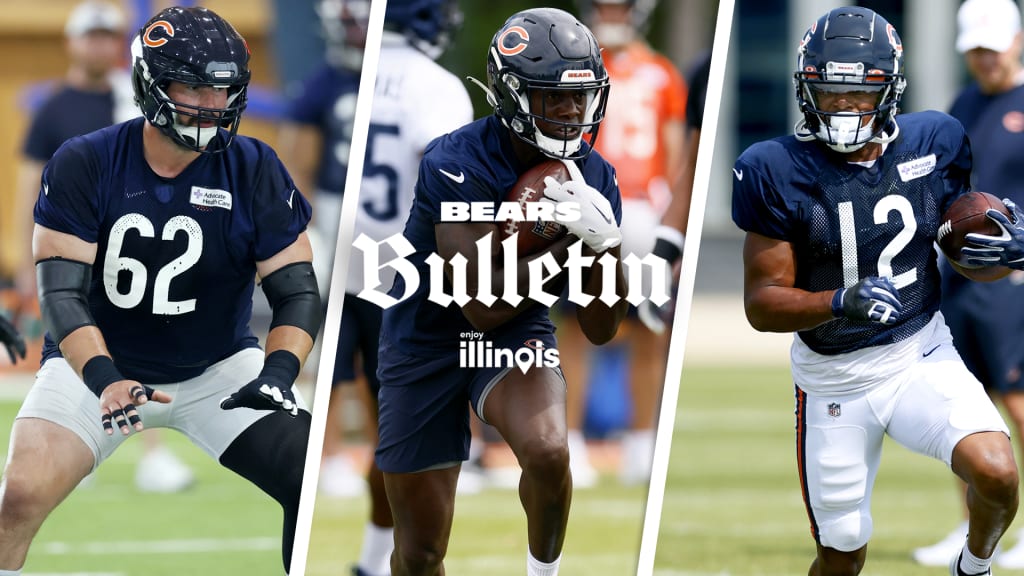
848	130
513	105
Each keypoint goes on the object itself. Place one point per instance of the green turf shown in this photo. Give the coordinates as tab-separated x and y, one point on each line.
111	528
489	534
732	502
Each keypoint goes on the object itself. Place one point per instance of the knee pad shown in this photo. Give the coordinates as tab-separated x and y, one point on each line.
846	533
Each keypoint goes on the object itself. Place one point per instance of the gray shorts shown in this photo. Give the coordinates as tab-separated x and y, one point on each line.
59	396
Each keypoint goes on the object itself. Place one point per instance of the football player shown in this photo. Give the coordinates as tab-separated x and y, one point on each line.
643	139
314	144
403	121
95	93
988	337
548	86
149	235
840	221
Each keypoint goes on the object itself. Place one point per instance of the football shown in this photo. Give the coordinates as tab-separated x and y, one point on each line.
965	215
534	236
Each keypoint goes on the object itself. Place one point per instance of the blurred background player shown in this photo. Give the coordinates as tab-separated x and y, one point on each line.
670	235
416	101
988	338
314	142
643	139
95	93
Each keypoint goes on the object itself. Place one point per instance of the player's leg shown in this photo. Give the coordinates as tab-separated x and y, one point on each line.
839	446
960	311
338	475
529	412
379	532
424	436
648	357
423	504
946	414
56	441
267	448
648	352
575	356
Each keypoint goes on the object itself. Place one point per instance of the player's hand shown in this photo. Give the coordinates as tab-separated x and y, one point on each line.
263	393
596	226
119	402
12	340
652	316
1007	249
873	299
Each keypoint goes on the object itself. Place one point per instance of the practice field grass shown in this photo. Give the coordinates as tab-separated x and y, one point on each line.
489	533
223	525
732	503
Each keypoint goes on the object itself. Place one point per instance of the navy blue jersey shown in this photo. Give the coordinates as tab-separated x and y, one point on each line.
328	101
483	153
847	221
175	266
66	113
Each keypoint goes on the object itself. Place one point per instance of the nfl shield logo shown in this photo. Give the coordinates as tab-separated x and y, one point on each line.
834	410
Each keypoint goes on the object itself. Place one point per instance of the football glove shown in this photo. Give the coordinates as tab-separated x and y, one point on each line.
596	226
1007	249
13	341
272	389
873	299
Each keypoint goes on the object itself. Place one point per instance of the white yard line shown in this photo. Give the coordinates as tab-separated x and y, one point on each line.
158	546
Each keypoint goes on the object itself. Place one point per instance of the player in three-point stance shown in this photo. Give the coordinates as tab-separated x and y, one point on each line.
840	222
548	86
149	235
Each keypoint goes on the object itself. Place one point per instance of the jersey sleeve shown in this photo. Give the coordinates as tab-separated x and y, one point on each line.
280	211
675	92
447	180
307	105
447	109
757	204
698	83
41	141
68	199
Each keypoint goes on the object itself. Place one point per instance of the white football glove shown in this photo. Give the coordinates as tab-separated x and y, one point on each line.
596	226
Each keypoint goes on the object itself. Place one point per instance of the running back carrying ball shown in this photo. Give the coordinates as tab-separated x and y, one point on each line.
965	215
534	236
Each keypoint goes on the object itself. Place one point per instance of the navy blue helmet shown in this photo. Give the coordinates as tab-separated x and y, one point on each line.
427	24
197	47
546	49
849	49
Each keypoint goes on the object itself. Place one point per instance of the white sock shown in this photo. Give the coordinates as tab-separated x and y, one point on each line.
10	572
375	555
971	564
535	567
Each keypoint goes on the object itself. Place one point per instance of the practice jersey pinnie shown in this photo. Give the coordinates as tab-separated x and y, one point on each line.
473	164
175	267
847	222
327	100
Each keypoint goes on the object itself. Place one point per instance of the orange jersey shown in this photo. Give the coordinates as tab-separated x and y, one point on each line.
646	92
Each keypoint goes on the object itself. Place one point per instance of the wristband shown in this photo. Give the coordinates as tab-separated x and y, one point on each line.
668	244
100	372
281	365
837	303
